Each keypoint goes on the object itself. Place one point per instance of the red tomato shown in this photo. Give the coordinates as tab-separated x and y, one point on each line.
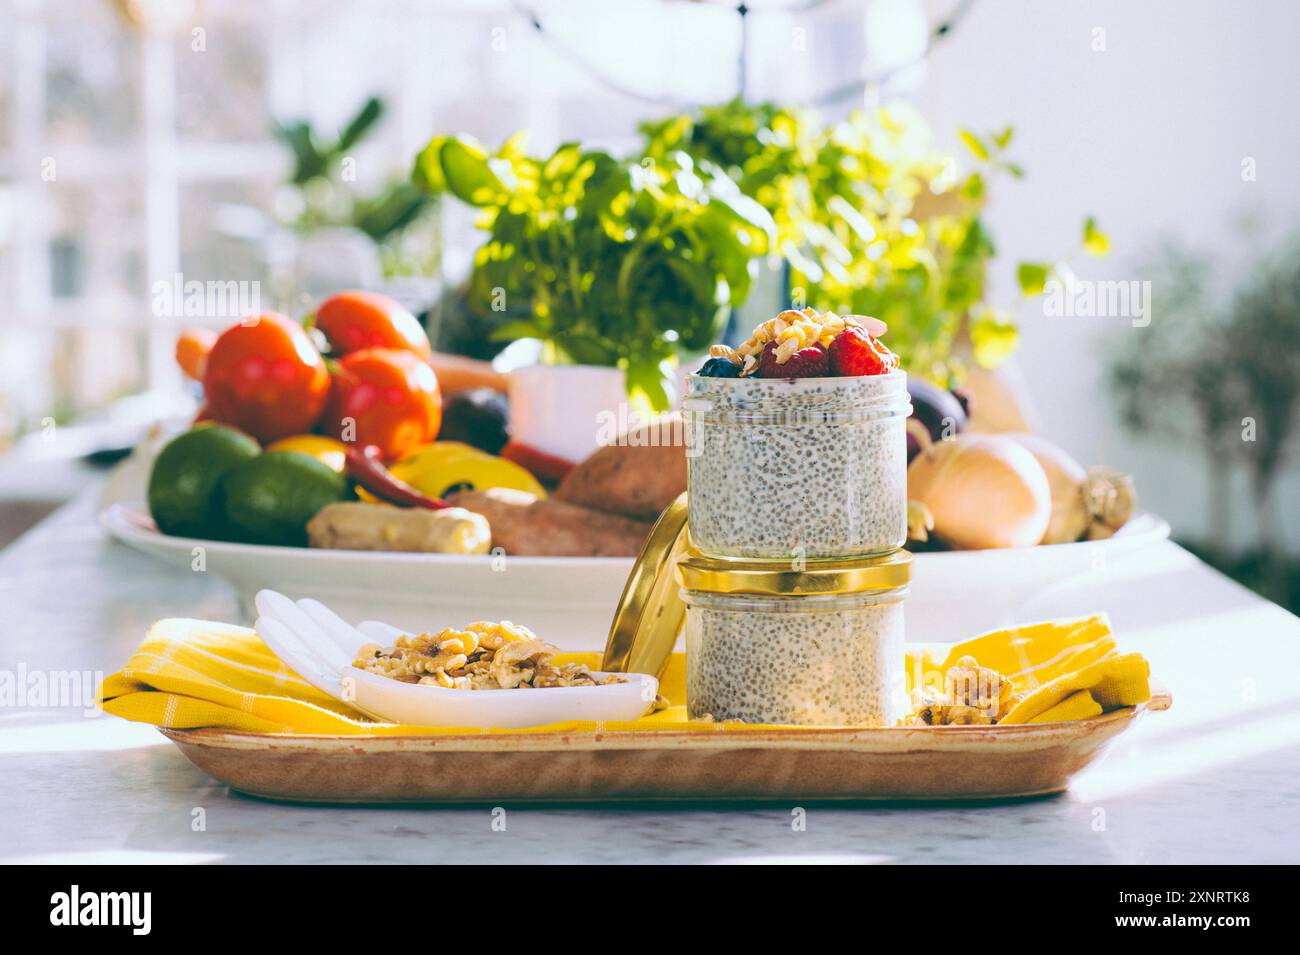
265	377
355	320
385	398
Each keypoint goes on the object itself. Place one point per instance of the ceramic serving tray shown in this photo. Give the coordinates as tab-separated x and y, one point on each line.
925	763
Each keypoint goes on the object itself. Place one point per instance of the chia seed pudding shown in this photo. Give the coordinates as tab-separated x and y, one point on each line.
783	468
824	659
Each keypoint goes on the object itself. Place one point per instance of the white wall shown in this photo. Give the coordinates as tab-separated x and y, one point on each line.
1149	136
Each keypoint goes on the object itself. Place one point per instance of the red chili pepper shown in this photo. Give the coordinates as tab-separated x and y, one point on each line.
547	468
365	467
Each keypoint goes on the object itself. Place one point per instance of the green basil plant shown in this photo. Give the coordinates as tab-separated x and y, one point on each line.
631	262
872	219
608	261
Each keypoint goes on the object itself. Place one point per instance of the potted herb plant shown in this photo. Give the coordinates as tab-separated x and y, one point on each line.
388	237
625	264
618	267
873	219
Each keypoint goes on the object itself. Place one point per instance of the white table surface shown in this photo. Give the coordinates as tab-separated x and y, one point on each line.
1212	780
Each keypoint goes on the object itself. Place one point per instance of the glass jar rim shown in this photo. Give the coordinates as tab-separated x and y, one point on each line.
794	578
795	401
791	603
894	375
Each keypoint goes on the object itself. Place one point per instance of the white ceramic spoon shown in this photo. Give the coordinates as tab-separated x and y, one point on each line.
320	646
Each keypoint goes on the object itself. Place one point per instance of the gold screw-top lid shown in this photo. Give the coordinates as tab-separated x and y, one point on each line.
795	578
650	612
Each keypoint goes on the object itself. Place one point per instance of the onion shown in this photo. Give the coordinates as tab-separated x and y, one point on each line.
1065	477
1094	503
920	522
983	490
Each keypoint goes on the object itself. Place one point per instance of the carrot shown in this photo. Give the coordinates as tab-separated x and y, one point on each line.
458	373
192	349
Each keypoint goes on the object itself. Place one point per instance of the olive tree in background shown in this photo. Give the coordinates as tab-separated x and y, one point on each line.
1264	333
1222	369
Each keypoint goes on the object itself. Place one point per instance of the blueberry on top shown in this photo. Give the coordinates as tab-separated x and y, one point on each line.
719	368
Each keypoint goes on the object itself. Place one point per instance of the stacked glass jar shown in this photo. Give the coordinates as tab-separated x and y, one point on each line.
795	581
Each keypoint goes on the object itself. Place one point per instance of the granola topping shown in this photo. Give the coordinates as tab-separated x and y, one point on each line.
482	656
794	330
727	352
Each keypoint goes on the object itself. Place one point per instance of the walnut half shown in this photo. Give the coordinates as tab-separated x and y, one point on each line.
972	696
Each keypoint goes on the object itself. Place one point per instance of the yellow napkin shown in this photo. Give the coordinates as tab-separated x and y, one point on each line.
192	673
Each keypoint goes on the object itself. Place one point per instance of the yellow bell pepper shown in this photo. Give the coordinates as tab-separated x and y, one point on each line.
328	451
441	467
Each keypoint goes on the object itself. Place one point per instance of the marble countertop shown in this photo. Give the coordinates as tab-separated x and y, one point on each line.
1212	780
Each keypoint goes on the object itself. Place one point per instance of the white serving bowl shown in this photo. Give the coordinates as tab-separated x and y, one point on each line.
570	601
960	594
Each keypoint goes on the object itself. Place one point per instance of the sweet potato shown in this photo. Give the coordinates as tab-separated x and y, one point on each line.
637	476
526	525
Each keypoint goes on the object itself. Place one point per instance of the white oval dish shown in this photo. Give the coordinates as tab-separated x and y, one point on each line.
320	646
570	601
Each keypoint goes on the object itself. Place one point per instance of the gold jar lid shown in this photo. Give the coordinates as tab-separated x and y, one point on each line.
721	575
651	612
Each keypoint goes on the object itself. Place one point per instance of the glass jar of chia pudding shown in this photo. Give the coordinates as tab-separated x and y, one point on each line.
823	645
790	468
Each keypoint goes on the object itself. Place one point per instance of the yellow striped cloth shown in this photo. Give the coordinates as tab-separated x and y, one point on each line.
1066	669
194	673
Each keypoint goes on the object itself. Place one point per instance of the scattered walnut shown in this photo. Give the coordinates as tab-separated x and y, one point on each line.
972	696
483	656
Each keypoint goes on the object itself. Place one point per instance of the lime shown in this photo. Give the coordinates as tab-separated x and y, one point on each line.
270	499
183	485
